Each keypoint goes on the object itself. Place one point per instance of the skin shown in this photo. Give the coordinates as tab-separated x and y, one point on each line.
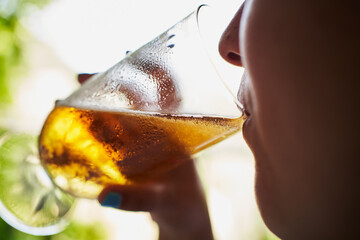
175	200
300	92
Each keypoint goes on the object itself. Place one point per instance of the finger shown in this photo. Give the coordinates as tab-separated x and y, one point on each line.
83	77
133	198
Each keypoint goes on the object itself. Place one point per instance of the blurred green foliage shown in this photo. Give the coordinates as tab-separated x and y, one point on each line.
75	231
11	44
2	131
10	55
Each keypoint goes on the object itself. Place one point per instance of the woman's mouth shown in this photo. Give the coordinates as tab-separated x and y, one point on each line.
243	95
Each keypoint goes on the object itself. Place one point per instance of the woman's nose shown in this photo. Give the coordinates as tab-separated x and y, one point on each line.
229	43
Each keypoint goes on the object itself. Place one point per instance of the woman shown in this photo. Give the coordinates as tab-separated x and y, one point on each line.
300	91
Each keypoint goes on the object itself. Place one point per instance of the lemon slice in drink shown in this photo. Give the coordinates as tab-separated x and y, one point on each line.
29	201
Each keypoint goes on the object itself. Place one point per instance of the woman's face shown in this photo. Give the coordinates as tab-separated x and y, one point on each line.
297	90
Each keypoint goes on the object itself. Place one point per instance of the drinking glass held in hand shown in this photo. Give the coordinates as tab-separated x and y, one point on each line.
139	119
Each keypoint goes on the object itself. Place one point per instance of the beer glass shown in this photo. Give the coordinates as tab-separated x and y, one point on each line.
142	117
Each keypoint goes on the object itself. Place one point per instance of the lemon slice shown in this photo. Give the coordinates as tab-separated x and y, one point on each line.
29	201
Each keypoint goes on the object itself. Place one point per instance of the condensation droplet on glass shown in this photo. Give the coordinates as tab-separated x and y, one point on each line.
171	36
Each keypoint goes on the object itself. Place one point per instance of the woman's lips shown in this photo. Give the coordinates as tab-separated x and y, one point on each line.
243	95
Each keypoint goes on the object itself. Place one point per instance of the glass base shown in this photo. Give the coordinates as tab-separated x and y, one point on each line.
29	201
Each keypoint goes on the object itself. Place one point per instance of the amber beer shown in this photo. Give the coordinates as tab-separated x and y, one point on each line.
85	150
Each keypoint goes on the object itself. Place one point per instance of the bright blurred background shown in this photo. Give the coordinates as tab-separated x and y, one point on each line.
45	43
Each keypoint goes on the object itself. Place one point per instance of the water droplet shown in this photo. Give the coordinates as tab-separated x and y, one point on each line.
171	36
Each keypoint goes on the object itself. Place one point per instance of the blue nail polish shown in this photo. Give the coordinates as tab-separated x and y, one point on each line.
112	199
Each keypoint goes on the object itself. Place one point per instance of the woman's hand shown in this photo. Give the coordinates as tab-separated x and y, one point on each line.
174	199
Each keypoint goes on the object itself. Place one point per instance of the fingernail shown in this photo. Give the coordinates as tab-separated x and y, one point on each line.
83	77
112	199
